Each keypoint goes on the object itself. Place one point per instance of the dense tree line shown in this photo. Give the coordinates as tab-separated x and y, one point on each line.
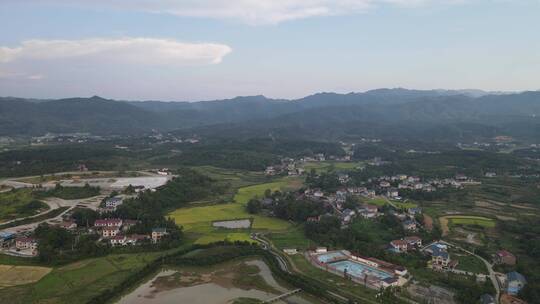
70	193
288	207
327	181
58	245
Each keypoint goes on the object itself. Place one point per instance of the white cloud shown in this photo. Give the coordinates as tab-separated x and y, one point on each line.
248	11
138	51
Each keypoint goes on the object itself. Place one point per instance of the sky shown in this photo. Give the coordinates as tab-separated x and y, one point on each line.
188	50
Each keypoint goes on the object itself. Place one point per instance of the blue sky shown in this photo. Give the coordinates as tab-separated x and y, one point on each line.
210	49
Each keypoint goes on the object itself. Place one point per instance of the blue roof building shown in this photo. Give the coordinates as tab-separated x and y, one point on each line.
515	281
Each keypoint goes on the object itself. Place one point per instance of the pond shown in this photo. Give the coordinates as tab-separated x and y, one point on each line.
220	284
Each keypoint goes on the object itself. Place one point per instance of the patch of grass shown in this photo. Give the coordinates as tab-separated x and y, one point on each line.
470	263
292	238
19	203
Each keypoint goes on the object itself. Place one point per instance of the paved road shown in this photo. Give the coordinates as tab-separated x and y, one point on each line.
92	202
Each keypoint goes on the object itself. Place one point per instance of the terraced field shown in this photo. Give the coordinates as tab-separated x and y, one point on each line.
464	220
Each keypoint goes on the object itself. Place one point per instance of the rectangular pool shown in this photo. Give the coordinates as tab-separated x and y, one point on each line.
330	256
359	270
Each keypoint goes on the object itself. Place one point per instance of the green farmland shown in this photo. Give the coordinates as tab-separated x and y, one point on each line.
80	281
197	221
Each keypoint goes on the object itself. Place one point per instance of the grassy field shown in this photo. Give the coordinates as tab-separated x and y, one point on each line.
292	238
19	275
19	203
470	263
327	165
79	281
197	221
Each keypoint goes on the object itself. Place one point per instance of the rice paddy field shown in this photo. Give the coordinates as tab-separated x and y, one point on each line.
197	221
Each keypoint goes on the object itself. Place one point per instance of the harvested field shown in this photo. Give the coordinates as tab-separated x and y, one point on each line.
428	222
20	275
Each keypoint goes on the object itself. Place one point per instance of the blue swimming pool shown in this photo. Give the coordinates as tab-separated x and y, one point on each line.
330	256
359	270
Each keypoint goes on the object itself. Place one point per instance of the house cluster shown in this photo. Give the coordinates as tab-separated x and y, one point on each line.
391	185
405	244
115	229
21	245
293	167
408	218
440	257
377	161
288	166
512	282
111	204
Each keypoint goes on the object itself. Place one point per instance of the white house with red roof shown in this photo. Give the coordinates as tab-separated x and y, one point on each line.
108	223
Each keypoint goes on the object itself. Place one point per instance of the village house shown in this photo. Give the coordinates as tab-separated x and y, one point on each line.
118	240
22	243
508	299
347	215
69	225
487	299
409	225
270	171
321	250
504	257
398	246
405	244
290	251
113	202
109	232
126	224
515	281
392	193
413	242
440	258
414	211
490	174
158	234
384	184
6	239
368	211
343	178
108	223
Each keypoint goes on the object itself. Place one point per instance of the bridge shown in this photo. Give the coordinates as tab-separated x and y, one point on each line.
282	296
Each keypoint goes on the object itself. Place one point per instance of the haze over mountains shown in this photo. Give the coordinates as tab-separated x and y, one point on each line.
383	113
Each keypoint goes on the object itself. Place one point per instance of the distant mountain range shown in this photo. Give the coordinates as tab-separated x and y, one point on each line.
384	113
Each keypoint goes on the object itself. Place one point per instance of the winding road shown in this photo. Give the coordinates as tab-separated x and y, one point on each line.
492	275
